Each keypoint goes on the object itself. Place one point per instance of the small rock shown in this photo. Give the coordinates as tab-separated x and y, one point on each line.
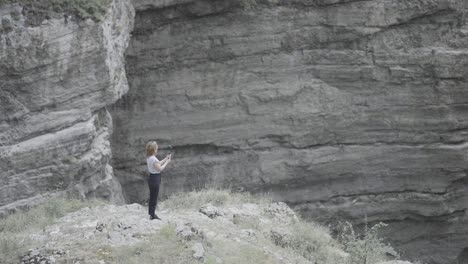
33	252
134	206
123	226
116	237
198	251
52	260
100	227
282	212
219	260
188	231
249	232
280	237
211	211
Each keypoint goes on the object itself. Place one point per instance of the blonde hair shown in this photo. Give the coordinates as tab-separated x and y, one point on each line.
151	147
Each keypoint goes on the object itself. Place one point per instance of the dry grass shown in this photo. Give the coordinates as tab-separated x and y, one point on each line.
217	197
315	243
233	253
15	227
163	247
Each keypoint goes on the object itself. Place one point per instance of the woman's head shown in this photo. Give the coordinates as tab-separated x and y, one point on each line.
151	148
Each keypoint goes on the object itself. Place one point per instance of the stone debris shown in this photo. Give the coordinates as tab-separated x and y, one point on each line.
198	251
280	237
280	210
100	227
211	211
189	231
35	256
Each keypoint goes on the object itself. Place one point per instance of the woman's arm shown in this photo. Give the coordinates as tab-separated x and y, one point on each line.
160	166
163	161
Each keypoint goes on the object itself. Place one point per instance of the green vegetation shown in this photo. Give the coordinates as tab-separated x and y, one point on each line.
95	9
314	243
232	253
162	247
15	226
367	248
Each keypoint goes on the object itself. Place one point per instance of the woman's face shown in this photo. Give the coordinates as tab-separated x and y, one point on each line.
155	150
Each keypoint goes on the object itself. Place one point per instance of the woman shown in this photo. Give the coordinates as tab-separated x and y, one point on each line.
155	167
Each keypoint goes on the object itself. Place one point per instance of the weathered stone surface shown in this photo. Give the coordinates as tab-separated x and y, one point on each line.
340	108
56	80
211	211
75	236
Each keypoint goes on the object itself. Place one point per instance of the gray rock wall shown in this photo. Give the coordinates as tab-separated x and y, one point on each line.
343	109
56	80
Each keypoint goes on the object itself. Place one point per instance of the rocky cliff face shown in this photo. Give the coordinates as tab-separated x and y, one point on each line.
347	109
57	76
341	108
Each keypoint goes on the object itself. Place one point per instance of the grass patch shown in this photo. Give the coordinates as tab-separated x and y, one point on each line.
247	221
233	253
44	214
162	247
11	248
15	227
216	197
313	242
367	248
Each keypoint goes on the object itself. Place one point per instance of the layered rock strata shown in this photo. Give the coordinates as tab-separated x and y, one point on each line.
347	109
57	76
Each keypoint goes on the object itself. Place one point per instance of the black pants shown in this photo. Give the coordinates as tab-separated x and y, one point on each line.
154	180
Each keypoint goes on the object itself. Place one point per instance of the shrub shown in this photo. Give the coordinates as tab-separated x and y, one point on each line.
367	248
313	242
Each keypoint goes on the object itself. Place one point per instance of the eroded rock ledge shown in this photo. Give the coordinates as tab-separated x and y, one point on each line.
341	108
56	80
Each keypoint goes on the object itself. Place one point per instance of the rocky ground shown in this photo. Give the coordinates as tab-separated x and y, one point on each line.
235	233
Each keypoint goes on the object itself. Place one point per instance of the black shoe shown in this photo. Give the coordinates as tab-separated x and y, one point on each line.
152	217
